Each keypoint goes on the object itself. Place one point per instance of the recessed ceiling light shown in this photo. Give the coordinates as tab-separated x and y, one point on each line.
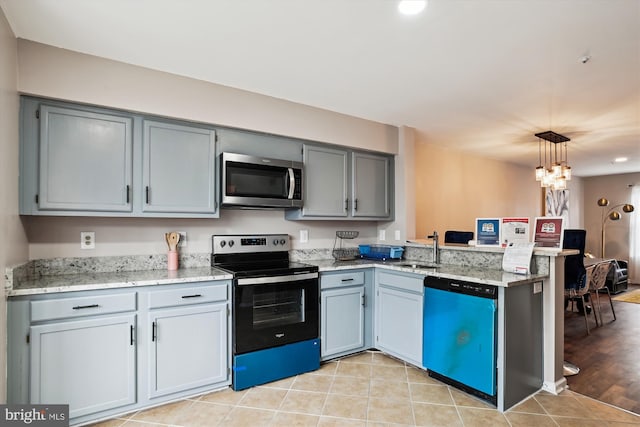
620	159
411	7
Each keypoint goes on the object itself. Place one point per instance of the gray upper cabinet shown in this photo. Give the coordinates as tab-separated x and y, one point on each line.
78	160
85	161
178	168
325	182
345	184
370	185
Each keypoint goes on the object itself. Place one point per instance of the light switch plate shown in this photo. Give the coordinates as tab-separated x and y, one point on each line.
183	239
304	236
397	235
382	235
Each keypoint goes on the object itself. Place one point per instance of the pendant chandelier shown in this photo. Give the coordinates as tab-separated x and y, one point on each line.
553	170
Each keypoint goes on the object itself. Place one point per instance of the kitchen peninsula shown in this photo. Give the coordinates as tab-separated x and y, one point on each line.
479	265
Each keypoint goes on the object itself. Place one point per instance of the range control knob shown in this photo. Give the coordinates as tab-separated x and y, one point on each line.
223	243
275	242
282	241
231	243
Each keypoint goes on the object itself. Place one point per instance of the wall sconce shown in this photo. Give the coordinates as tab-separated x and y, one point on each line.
611	214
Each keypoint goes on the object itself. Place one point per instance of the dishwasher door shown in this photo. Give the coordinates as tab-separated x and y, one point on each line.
460	335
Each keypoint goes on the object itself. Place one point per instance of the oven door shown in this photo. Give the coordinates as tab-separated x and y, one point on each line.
276	310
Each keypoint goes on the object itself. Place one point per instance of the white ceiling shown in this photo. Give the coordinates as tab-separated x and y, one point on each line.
477	75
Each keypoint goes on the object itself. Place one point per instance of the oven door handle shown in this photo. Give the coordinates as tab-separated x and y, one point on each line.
292	183
276	279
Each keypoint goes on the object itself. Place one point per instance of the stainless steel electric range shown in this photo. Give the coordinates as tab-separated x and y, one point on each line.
275	317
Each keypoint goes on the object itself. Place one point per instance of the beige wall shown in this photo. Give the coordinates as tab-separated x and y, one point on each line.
616	188
57	73
454	188
13	248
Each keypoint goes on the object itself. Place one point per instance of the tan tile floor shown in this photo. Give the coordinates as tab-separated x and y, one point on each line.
371	389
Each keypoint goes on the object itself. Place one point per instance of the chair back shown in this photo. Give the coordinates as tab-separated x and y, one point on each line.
582	286
452	236
599	276
574	270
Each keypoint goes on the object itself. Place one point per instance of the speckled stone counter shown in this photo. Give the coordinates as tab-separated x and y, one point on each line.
123	279
455	272
479	264
80	274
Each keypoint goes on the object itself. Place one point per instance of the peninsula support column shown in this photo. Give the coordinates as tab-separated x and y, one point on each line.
553	327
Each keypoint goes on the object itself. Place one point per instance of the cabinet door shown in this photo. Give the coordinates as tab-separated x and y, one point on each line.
342	321
325	182
370	185
399	324
179	168
85	161
188	348
88	364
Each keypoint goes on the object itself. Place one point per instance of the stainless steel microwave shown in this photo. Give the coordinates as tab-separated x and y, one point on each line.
258	182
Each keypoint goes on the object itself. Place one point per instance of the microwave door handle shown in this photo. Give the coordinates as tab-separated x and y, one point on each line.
292	183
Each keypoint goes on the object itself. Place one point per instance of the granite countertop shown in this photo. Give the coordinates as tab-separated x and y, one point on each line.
109	280
484	275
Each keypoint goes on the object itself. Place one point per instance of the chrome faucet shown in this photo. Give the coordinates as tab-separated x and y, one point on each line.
436	247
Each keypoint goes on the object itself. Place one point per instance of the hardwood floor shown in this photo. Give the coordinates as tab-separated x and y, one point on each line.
609	358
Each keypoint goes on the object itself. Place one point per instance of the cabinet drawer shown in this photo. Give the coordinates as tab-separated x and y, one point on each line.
185	296
398	281
353	278
82	306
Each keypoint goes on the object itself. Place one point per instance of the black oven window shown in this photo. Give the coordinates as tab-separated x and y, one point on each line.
278	308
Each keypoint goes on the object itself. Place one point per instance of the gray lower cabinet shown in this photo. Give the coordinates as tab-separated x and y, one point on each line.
342	326
345	184
345	312
398	324
192	336
111	351
89	364
178	168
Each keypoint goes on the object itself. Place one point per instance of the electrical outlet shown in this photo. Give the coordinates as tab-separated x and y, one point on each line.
183	239
87	240
397	235
382	235
304	236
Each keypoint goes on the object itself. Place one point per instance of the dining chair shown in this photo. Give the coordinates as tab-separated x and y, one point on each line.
597	285
577	293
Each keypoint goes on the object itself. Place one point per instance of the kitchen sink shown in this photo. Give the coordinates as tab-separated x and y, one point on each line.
419	266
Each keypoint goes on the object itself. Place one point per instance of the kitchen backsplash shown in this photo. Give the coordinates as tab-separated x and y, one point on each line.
79	265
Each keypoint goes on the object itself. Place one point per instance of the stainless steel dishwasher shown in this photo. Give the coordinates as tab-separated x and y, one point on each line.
459	335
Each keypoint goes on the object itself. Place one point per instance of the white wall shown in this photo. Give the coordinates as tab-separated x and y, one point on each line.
57	73
13	248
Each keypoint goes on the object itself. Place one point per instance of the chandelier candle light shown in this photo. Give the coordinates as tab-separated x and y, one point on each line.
611	214
555	171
